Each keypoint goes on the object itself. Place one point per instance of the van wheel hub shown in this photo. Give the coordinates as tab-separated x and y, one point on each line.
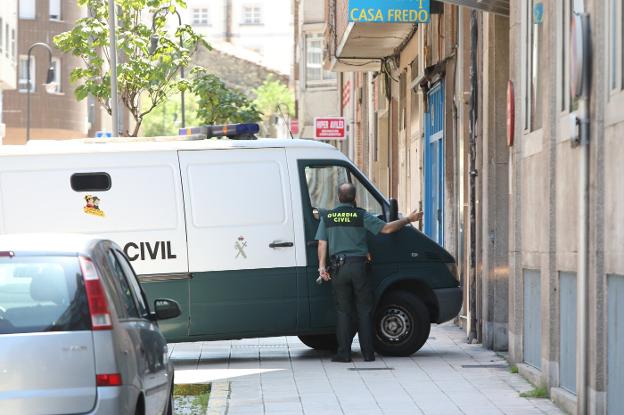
395	324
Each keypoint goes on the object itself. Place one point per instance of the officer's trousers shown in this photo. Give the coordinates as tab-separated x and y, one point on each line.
351	284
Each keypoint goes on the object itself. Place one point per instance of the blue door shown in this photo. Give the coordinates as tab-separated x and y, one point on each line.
434	164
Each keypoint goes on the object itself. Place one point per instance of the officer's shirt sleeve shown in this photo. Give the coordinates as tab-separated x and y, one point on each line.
321	233
373	224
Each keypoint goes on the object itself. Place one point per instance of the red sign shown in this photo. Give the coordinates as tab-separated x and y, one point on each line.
294	126
330	128
511	113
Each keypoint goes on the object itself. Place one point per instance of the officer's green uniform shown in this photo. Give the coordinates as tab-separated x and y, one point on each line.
345	229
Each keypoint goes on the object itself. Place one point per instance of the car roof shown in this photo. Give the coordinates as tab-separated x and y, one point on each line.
48	242
113	145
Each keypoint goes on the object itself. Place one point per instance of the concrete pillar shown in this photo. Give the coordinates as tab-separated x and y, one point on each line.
495	183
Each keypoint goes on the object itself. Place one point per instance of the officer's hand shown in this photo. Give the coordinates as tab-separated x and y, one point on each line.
415	216
325	275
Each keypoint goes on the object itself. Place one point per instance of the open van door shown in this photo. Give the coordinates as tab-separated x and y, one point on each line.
241	242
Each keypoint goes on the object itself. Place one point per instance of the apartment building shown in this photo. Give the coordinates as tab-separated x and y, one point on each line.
315	87
8	55
262	27
54	113
469	115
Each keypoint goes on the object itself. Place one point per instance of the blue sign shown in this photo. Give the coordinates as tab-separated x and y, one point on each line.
103	134
538	13
389	11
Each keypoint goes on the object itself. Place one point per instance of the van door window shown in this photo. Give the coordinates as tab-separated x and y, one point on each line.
127	298
323	182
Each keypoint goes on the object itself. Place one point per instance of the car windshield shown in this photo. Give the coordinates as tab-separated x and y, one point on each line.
42	293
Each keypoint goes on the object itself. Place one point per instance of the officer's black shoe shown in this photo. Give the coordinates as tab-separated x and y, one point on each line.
370	358
341	359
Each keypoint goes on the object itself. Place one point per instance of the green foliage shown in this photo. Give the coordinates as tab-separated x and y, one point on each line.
166	118
219	104
273	93
539	392
513	369
141	73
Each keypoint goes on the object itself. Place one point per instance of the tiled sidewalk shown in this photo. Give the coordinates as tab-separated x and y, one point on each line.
446	377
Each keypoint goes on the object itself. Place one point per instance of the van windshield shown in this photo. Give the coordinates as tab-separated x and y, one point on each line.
42	293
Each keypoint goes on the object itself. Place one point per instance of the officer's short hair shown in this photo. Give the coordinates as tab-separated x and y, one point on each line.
346	193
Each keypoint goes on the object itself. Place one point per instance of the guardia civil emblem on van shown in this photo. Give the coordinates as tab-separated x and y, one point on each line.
92	206
240	246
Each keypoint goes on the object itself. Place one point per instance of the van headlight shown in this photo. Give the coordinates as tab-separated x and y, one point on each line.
452	267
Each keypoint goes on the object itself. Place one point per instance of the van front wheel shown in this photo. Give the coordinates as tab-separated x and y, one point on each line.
320	341
402	324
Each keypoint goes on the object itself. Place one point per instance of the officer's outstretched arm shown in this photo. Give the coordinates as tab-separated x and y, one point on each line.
400	223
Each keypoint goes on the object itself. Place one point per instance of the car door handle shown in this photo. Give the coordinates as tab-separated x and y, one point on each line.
275	245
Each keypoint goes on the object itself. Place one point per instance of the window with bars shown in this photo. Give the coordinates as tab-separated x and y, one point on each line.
7	40
201	16
315	74
55	9
27	9
534	57
22	82
13	46
616	45
56	64
252	14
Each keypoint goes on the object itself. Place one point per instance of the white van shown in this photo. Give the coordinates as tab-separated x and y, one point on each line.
226	228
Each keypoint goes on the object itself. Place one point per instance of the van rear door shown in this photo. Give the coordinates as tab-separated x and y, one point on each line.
46	344
241	241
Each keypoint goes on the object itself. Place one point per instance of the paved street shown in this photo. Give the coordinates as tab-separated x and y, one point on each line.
283	376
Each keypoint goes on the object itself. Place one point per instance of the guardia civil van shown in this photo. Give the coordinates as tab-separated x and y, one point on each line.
226	229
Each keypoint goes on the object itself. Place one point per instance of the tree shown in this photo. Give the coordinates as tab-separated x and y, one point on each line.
274	98
218	104
141	73
165	119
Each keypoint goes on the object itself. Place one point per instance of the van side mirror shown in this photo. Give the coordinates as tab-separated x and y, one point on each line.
393	212
166	309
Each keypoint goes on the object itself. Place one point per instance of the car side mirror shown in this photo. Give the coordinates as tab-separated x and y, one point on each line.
393	212
166	309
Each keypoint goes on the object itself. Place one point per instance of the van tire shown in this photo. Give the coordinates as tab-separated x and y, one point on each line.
401	324
320	341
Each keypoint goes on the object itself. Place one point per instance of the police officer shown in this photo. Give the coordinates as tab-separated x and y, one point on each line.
344	230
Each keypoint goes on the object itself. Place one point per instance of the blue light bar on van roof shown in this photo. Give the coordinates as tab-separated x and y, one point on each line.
231	131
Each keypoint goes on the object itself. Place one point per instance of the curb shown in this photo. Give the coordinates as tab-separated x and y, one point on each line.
219	394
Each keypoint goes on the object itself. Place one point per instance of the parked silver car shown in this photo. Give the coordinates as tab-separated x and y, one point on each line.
76	333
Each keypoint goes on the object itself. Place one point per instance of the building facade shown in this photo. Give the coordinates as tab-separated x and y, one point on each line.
8	55
262	27
566	204
315	87
469	116
54	114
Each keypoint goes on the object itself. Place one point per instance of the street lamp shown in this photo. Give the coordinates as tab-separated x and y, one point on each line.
49	84
154	44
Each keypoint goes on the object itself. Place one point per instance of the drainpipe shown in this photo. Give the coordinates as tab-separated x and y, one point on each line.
583	220
458	112
474	37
